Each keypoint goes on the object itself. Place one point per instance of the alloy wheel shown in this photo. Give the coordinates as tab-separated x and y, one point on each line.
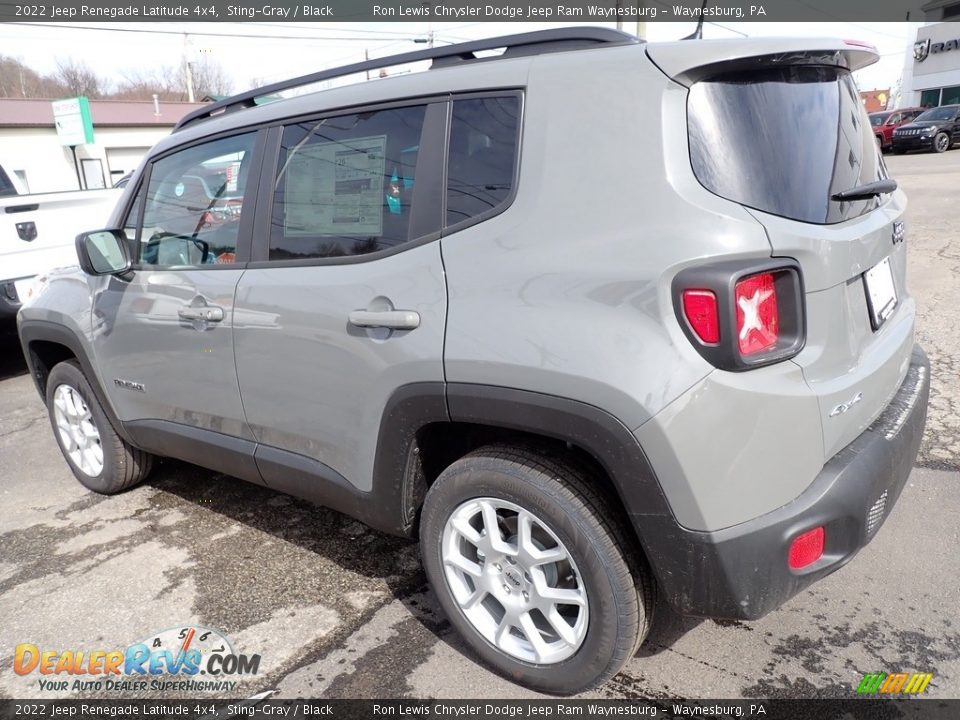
78	430
514	581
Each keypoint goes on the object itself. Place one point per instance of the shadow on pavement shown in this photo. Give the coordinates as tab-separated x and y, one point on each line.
11	356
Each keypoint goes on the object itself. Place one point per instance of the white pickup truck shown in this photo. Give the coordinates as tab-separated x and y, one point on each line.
37	234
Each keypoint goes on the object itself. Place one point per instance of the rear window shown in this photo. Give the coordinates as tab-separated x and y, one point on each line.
6	187
783	141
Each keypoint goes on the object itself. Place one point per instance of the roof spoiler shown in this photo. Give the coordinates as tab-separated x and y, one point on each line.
687	62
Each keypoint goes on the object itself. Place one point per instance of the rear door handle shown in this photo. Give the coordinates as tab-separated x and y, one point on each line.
204	313
391	319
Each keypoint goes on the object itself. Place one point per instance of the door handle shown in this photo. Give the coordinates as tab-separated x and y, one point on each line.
391	319
204	313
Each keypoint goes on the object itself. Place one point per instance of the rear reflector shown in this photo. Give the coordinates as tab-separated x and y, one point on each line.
806	549
758	318
700	309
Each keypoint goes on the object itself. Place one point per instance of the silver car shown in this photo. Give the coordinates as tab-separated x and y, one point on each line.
601	322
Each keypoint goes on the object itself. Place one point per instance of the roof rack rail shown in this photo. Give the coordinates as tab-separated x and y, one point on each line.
531	43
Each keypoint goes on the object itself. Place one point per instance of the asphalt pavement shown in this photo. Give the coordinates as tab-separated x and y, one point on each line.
335	609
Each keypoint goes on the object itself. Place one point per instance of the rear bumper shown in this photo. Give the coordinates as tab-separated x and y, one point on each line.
741	572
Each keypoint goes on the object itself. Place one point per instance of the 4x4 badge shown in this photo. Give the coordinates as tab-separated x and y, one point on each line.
898	233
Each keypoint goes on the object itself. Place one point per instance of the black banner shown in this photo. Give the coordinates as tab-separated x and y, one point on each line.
852	709
568	11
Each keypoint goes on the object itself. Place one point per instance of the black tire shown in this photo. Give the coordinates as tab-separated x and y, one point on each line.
941	143
123	465
562	492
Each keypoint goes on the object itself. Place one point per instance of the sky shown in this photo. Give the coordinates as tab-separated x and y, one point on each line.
255	53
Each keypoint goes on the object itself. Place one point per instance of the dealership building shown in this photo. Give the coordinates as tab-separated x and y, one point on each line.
931	73
123	132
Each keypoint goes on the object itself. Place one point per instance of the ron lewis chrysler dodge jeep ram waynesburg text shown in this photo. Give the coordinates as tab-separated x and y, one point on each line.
600	321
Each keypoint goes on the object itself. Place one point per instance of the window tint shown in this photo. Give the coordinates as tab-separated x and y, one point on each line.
6	186
194	204
784	141
345	184
483	155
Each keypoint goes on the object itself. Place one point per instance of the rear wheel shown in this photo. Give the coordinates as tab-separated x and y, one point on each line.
941	143
531	568
99	458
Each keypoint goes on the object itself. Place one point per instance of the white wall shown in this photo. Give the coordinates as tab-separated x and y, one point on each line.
49	166
938	70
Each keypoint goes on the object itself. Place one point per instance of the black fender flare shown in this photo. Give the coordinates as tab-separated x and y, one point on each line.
593	430
44	331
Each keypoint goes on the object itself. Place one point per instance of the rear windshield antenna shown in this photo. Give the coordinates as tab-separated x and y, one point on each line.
698	33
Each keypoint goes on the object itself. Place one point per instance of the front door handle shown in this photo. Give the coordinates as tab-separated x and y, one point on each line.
204	313
391	319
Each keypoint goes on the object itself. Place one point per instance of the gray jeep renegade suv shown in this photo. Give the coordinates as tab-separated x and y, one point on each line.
600	321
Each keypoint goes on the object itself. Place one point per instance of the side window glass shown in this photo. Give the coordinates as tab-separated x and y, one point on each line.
483	155
345	184
133	217
194	205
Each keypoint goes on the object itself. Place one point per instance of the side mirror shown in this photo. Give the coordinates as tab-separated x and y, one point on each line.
104	252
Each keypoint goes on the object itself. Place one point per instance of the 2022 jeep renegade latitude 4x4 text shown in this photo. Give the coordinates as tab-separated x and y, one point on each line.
599	321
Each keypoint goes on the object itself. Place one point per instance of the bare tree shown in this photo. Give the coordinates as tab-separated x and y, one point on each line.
209	78
78	79
19	81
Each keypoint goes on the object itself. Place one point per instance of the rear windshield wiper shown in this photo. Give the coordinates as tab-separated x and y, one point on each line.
868	190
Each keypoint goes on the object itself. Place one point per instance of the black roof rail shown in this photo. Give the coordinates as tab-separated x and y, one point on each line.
531	43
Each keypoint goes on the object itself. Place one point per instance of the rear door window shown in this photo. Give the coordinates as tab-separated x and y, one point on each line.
484	135
345	184
6	186
783	141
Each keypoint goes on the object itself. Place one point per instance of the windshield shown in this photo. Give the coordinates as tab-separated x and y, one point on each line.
877	119
940	113
6	187
783	141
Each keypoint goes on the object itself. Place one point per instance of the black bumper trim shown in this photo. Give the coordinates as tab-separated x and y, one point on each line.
741	572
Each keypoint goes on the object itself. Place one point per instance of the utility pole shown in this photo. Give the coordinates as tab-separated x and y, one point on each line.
188	67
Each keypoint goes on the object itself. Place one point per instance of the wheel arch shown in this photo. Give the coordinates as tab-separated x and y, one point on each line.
427	426
45	344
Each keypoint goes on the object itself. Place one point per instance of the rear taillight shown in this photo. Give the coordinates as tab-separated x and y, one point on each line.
700	310
806	549
742	314
758	319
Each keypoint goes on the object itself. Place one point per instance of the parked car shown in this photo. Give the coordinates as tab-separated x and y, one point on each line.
884	123
674	358
936	130
37	233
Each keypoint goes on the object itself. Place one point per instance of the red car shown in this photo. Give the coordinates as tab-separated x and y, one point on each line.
886	121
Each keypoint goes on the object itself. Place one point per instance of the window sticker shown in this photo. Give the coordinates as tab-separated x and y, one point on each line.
336	188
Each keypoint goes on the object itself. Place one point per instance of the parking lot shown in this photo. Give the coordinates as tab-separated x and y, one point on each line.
338	610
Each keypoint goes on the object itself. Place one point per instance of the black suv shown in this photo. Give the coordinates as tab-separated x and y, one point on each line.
936	130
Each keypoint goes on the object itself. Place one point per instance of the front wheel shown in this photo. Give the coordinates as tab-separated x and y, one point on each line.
941	143
532	568
99	458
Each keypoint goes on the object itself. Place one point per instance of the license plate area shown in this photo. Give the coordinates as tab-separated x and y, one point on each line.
881	293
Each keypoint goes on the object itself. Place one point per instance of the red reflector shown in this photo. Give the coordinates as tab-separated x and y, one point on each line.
758	321
700	309
806	549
